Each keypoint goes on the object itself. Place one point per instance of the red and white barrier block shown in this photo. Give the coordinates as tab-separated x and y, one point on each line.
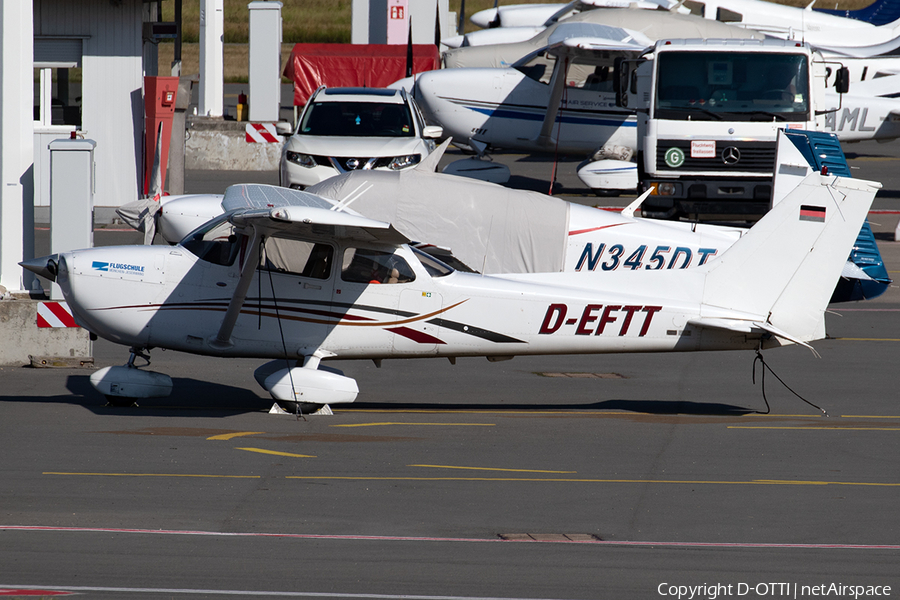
55	314
261	133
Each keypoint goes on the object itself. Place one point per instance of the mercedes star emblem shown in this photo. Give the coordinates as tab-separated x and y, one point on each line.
731	155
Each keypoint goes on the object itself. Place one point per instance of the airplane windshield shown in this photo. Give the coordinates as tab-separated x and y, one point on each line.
215	242
539	67
703	86
365	119
435	267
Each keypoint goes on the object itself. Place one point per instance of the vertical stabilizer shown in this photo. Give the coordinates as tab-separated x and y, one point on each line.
785	269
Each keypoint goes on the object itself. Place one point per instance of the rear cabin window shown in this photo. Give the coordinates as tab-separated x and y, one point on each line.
298	257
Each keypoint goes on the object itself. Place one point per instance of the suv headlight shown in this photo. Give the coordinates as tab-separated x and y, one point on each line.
304	160
402	162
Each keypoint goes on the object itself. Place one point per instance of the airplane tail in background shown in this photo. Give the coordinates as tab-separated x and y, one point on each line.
785	269
880	12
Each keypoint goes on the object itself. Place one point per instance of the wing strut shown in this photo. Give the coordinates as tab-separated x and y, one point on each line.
223	338
557	85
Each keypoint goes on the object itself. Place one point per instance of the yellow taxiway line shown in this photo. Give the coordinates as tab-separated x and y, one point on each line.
231	436
491	469
274	453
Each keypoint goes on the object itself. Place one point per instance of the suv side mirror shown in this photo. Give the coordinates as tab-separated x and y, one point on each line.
432	132
283	128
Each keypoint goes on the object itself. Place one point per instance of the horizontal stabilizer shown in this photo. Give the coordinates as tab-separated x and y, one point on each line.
747	326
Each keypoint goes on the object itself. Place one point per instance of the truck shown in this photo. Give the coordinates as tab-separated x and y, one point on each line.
708	115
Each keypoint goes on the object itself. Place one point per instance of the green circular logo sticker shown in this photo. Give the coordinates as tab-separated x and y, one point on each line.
674	157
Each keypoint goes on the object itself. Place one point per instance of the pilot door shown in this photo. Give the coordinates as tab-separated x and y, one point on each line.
293	292
383	288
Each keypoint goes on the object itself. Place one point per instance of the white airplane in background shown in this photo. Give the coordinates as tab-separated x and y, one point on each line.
504	25
290	276
651	24
827	32
540	15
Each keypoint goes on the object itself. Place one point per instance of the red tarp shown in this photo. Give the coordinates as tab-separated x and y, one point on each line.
353	65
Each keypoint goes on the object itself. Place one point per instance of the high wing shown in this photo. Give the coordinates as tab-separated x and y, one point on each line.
250	195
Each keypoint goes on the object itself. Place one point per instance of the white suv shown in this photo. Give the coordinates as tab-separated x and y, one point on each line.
344	129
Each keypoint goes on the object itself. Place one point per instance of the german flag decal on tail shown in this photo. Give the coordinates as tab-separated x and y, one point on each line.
812	213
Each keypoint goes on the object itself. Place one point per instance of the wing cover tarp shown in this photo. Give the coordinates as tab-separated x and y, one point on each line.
490	228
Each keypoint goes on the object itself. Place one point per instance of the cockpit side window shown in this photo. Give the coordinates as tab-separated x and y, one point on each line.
298	257
215	242
362	265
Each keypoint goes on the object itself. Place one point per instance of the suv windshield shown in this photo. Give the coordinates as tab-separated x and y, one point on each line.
363	119
732	86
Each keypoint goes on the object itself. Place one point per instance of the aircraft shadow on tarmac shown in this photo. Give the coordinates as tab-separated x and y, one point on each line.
652	407
188	395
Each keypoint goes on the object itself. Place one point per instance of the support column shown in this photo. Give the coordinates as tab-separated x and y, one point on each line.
212	70
16	141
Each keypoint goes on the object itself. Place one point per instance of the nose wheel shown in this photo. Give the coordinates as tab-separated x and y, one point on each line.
125	385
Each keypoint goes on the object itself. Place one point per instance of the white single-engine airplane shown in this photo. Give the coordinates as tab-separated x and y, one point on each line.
288	275
825	31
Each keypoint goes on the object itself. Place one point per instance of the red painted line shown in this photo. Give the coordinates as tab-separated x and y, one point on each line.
34	593
392	538
580	231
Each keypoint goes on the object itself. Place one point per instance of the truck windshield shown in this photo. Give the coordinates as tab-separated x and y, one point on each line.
732	86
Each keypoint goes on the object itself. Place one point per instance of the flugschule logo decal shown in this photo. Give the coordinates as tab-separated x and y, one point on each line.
121	268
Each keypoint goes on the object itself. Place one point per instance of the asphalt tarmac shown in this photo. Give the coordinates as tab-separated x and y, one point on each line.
578	477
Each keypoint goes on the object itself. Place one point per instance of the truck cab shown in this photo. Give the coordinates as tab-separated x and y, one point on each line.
708	116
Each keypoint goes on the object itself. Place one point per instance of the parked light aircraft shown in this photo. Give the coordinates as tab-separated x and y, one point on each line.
534	15
517	23
827	32
650	24
847	37
289	275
